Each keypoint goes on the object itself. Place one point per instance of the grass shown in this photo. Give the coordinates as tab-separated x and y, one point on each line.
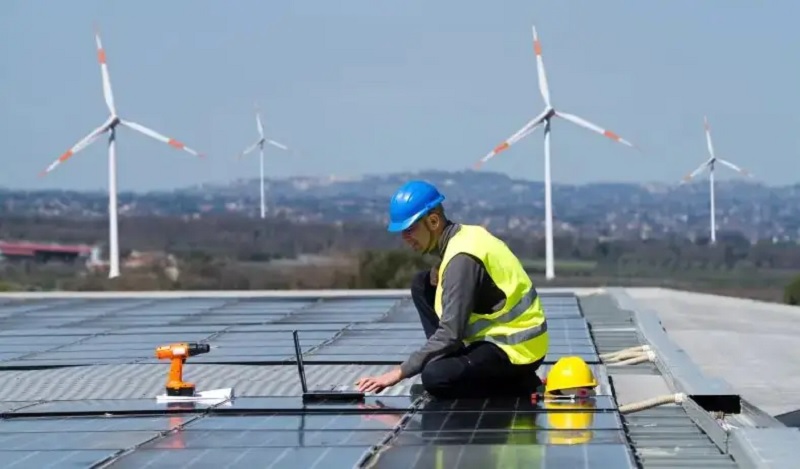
565	266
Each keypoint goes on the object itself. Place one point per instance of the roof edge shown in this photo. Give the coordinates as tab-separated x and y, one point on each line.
680	372
763	442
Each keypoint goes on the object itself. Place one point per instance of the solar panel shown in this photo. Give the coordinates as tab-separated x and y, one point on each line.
297	423
10	406
63	441
46	362
102	406
285	328
487	438
469	421
35	305
519	405
88	356
77	332
233	457
292	403
86	415
330	317
154	339
533	454
63	458
5	356
20	348
156	423
284	438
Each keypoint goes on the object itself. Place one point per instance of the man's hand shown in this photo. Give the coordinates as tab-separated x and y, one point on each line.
379	383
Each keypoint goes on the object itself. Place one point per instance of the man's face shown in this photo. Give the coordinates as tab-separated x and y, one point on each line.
419	235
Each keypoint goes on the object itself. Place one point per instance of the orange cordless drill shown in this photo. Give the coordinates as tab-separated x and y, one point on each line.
178	353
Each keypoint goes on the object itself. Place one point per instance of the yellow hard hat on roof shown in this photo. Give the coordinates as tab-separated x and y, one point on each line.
569	373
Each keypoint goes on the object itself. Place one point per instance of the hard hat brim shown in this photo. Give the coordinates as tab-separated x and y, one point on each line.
396	227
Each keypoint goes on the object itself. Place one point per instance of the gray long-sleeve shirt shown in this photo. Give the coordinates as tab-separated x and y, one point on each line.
466	288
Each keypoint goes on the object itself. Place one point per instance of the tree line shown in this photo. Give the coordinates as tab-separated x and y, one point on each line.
235	252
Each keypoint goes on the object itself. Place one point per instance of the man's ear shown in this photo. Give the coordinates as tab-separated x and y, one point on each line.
434	221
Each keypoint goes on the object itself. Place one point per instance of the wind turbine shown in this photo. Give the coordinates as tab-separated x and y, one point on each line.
710	163
110	127
260	145
546	118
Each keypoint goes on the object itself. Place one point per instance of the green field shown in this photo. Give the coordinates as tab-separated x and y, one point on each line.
566	266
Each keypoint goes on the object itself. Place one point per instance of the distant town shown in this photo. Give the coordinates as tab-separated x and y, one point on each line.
506	205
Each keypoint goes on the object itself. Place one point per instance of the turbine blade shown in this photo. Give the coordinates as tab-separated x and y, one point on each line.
153	134
586	124
249	149
526	130
708	137
543	87
734	167
83	143
694	173
279	145
101	58
259	126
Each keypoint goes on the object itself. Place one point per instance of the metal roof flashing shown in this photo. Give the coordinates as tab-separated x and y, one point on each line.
753	438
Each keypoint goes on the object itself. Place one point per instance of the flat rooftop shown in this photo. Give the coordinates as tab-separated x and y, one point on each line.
79	380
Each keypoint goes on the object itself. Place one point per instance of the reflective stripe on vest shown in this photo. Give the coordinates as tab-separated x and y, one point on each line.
474	329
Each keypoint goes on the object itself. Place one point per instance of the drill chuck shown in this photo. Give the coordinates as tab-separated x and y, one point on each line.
197	349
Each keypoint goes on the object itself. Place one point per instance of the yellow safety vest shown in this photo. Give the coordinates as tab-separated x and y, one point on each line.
520	328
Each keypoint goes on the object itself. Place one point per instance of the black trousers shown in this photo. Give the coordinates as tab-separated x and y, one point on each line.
479	370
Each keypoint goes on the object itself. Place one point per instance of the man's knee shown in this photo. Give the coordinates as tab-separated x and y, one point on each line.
434	381
441	377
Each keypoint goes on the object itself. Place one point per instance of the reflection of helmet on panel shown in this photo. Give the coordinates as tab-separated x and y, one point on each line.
569	422
569	374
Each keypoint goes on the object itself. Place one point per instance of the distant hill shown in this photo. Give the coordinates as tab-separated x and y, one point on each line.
502	202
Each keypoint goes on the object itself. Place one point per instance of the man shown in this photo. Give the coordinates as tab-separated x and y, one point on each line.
487	333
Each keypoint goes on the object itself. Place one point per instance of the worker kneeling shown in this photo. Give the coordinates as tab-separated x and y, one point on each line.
486	329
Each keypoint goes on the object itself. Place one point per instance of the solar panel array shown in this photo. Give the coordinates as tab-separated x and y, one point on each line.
261	427
250	330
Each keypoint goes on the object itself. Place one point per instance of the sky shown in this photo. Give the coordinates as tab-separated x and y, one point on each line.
364	87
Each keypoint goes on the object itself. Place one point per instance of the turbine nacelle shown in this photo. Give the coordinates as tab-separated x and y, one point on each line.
712	160
113	122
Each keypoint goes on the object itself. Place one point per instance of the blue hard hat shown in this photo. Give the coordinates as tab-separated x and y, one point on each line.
411	202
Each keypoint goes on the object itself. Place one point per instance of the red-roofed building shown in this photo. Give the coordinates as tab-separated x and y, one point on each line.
11	251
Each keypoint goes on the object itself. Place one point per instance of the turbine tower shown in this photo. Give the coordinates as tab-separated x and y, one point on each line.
710	163
545	118
260	145
110	127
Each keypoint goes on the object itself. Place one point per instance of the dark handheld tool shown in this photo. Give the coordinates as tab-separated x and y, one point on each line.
322	395
178	353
